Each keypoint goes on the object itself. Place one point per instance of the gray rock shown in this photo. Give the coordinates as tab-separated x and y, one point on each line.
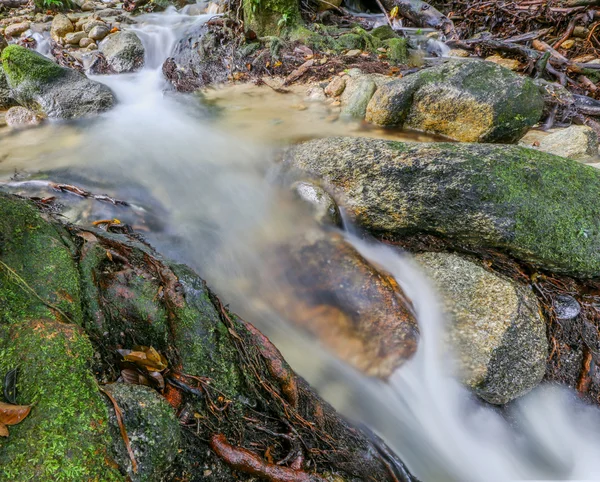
73	38
98	32
61	26
38	83
566	307
200	58
16	29
496	327
356	96
465	100
152	428
325	208
21	117
88	24
540	208
124	51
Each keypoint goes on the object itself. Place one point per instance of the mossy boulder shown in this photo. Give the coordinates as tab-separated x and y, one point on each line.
465	100
538	207
66	436
39	84
152	428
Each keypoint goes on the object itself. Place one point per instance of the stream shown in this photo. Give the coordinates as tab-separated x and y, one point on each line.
198	173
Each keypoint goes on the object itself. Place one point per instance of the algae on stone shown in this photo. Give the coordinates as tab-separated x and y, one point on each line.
540	208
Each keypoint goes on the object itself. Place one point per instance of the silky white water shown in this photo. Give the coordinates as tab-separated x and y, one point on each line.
223	212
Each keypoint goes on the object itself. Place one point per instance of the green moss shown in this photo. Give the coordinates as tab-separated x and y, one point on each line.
42	256
21	64
65	438
271	17
152	427
397	50
203	341
384	32
350	41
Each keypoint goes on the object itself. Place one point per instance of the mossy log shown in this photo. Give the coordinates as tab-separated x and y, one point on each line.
231	407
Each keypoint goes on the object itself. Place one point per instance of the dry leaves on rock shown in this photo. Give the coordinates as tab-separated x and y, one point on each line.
11	415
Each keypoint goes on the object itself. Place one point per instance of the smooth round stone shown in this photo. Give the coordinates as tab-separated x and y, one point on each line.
566	307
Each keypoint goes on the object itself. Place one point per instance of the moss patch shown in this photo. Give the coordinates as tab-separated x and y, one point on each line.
43	258
21	64
66	435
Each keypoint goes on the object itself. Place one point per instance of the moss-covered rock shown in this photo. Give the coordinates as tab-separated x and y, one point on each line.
37	269
540	208
271	17
469	101
40	84
152	428
65	437
397	50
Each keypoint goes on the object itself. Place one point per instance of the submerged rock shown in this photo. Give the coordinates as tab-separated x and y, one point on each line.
355	309
469	101
39	84
496	327
124	51
540	208
21	117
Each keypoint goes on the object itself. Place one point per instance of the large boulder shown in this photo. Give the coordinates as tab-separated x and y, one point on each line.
496	327
39	84
124	51
540	208
199	59
469	101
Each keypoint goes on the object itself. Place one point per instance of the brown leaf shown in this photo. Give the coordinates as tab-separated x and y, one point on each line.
158	379
13	414
3	430
145	357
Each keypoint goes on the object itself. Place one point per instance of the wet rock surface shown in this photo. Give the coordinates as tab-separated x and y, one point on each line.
540	208
124	52
39	84
469	101
496	327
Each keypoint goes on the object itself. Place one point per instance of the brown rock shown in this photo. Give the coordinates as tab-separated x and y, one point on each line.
335	87
16	29
358	311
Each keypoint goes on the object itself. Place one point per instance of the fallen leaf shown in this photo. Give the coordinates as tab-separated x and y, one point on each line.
3	430
146	357
10	386
13	414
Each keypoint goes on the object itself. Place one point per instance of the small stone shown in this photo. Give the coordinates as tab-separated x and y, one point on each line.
88	7
99	32
332	118
60	27
16	29
92	47
88	25
85	42
579	143
299	107
324	206
459	53
353	53
74	38
567	44
335	87
510	64
21	117
315	94
566	307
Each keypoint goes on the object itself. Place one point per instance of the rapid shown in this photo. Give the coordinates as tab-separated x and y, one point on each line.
210	187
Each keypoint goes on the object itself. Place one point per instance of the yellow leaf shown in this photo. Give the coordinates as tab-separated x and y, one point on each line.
394	12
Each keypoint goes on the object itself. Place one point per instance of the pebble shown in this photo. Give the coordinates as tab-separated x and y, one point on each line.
99	32
566	307
353	53
74	38
86	42
21	117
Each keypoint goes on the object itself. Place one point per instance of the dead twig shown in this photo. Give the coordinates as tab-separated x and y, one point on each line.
122	428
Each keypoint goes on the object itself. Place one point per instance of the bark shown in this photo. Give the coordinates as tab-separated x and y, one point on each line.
243	410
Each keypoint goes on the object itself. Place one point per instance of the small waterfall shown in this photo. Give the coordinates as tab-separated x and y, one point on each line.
224	210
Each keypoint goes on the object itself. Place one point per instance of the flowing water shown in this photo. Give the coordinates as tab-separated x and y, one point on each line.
202	193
